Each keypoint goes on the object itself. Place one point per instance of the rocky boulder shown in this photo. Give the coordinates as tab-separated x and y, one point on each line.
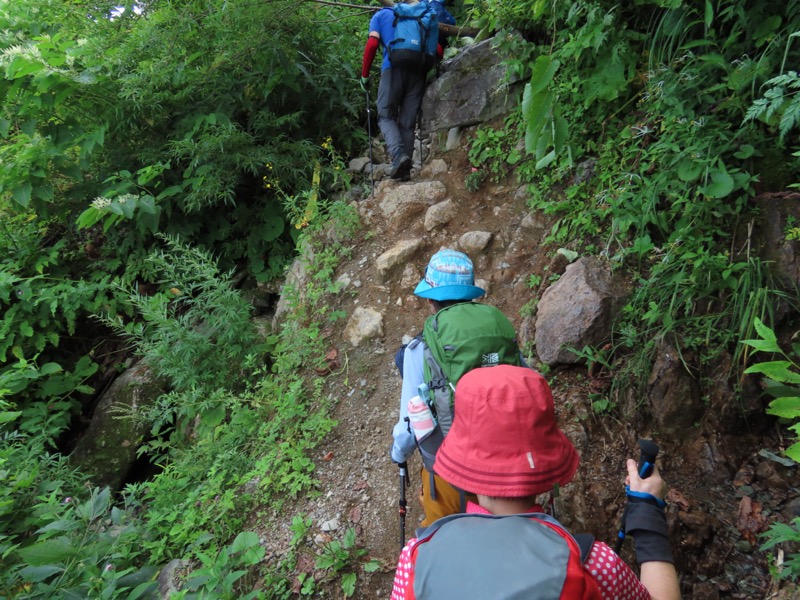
475	85
364	324
577	311
107	450
402	203
396	255
296	279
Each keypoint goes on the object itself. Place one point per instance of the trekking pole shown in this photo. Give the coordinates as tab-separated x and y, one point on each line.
369	135
555	493
648	451
419	120
403	467
419	129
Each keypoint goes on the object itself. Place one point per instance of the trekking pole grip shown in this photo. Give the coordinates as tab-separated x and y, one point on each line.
648	451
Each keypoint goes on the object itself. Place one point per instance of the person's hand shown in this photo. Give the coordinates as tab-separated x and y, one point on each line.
645	519
653	485
364	81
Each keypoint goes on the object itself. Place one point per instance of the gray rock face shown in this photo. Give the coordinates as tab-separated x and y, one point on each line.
411	277
453	138
535	222
474	84
484	285
170	576
435	167
297	278
577	311
357	165
108	448
673	393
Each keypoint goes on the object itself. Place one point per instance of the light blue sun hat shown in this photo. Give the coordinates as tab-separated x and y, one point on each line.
449	276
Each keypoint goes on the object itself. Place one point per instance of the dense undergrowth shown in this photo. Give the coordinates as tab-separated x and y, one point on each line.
154	160
231	435
661	127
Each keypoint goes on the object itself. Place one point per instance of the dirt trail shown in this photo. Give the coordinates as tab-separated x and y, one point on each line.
722	490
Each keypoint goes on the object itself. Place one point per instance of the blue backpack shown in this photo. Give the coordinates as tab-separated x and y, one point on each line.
442	13
416	34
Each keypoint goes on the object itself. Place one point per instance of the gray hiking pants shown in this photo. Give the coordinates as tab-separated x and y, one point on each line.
399	99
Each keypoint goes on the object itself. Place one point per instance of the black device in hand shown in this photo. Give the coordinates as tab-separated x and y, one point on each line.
648	451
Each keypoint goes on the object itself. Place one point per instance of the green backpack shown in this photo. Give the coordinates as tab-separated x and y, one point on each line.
459	338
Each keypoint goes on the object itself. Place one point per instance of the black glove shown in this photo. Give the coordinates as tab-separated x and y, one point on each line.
646	521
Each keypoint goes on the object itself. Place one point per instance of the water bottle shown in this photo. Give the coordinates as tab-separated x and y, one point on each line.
425	394
420	417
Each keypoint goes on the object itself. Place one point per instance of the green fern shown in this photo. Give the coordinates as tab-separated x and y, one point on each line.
780	104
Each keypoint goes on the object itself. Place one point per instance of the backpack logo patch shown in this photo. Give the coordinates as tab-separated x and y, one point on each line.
490	360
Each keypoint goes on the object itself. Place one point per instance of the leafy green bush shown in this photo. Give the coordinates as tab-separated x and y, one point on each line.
492	15
781	533
46	364
83	549
674	113
780	104
345	556
57	539
196	330
218	574
140	121
51	121
210	116
782	382
253	448
494	152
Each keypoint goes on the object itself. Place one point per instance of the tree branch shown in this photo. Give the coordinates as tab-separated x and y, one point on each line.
458	30
448	30
344	5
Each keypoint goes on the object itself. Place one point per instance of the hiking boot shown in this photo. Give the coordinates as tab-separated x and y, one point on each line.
401	168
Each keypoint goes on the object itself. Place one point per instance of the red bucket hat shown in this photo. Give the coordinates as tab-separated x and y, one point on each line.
504	441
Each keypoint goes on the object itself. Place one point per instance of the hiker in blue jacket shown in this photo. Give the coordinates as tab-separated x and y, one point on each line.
449	279
400	93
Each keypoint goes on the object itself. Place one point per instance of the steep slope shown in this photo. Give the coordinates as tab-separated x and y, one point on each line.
723	491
